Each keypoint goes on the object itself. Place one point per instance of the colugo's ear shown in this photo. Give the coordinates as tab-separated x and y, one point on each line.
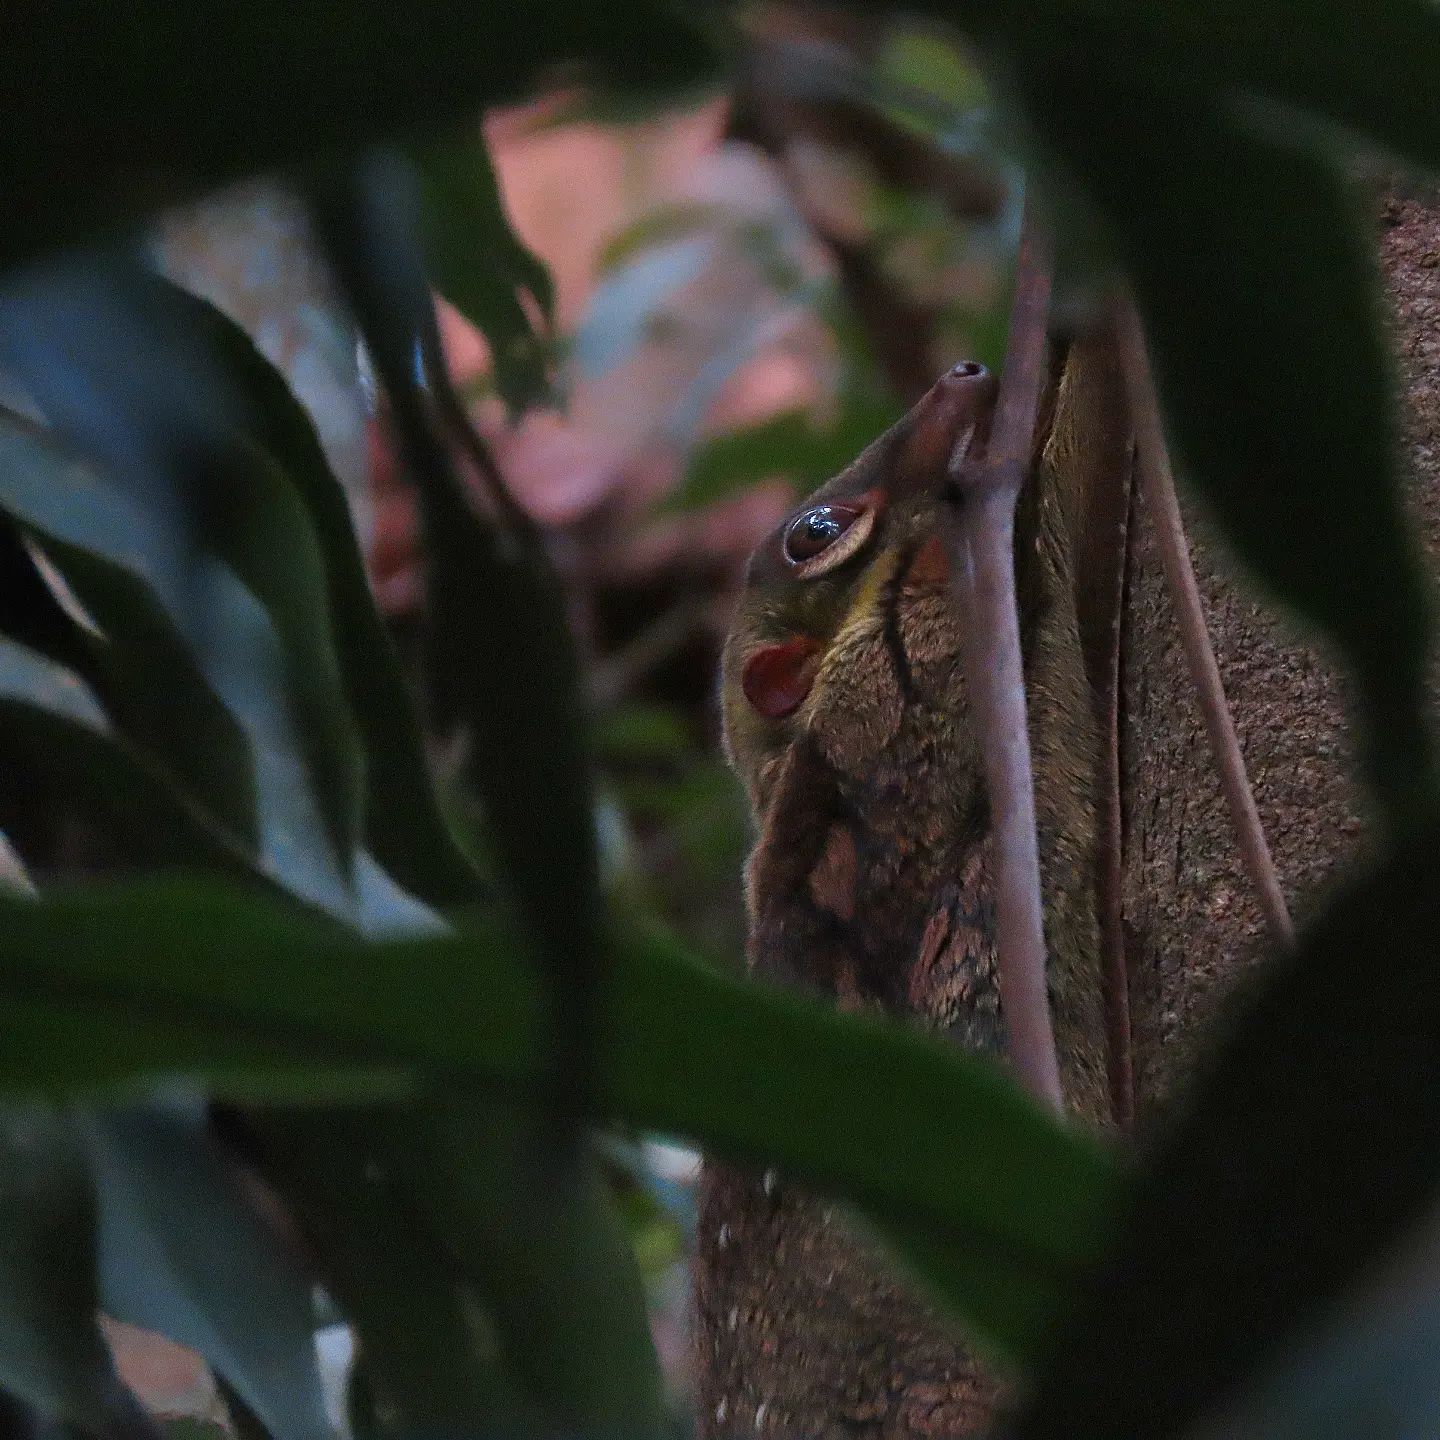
777	678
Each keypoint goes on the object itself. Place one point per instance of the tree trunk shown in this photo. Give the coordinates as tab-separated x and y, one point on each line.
1191	920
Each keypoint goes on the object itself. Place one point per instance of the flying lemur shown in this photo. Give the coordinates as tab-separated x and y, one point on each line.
871	883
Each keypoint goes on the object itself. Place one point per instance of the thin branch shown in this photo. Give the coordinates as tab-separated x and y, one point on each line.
1158	486
981	536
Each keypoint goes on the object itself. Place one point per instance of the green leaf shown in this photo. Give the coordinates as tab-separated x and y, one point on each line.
51	1352
1264	323
657	227
184	1252
482	1197
155	694
357	1208
946	1151
125	1058
483	269
490	679
283	85
54	731
116	368
537	1237
404	825
1308	1147
634	733
789	444
1367	67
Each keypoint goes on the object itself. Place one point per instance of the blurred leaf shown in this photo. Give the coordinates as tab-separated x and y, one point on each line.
27	676
155	695
54	732
1226	1252
789	444
75	771
51	1352
490	680
1272	359
77	340
98	346
1369	1374
404	824
493	679
161	702
482	268
660	226
69	505
357	1207
183	1252
625	305
536	1236
946	1148
76	765
187	1427
1365	66
692	797
928	69
614	106
31	612
283	85
632	732
60	1050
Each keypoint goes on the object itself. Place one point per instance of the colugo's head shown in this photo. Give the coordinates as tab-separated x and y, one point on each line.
850	593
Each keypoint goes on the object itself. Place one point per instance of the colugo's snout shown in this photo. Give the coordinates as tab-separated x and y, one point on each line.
953	415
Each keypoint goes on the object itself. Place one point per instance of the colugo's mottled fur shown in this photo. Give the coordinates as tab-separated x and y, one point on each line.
871	882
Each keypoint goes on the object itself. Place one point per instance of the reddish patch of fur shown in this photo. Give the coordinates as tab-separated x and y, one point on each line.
832	881
930	567
777	678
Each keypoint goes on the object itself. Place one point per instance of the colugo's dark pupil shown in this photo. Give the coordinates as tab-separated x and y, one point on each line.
811	532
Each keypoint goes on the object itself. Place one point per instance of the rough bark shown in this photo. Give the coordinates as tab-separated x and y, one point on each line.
1193	923
1193	927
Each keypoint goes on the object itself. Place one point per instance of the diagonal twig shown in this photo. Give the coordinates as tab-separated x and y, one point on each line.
983	490
1158	486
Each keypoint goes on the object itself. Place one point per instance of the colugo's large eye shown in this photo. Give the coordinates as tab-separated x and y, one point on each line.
817	529
824	536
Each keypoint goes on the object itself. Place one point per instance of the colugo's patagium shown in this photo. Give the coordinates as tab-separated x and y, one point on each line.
871	882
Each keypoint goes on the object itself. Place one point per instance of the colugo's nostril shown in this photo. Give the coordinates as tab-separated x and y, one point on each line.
968	370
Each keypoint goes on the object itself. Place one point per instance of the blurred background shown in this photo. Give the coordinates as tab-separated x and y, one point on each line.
747	290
